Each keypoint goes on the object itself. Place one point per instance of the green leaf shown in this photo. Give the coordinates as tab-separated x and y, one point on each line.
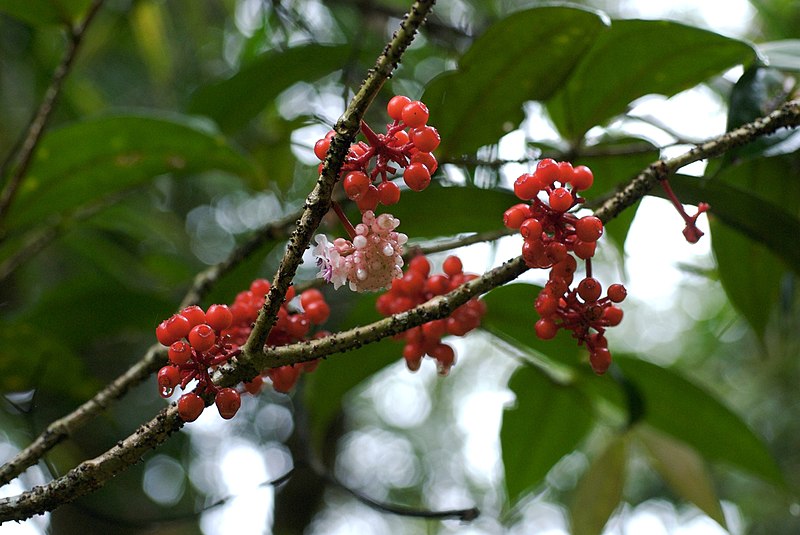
88	161
547	422
447	211
233	102
678	407
750	275
634	58
683	470
510	316
43	12
783	55
326	389
526	56
599	491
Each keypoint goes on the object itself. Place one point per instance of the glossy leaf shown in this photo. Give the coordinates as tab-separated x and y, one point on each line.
236	100
510	316
447	211
547	422
87	161
634	58
526	56
783	55
42	12
683	470
678	407
599	491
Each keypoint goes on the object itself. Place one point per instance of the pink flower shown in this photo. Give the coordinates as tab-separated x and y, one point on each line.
371	261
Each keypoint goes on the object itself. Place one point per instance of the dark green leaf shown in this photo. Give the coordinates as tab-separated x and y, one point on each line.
782	55
678	407
233	102
446	211
526	56
510	315
326	388
683	470
547	422
634	58
599	491
39	12
90	160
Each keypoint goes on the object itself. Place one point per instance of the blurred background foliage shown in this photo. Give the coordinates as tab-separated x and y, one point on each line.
186	126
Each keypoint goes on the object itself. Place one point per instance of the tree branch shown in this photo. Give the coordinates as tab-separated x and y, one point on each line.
93	474
37	125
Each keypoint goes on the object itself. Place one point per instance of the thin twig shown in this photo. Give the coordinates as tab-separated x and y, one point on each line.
39	122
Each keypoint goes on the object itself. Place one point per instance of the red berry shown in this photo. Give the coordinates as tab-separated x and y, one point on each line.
561	200
612	316
318	312
582	178
396	105
298	326
179	353
254	387
417	176
584	249
169	377
290	293
202	337
228	402
600	359
437	285
589	228
516	215
526	186
321	148
556	252
546	329
415	114
434	329
421	265
617	293
452	266
388	193
219	317
356	184
400	138
178	327
547	172
194	314
427	159
284	378
163	336
310	296
589	289
190	406
445	357
425	138
565	268
546	305
565	172
531	229
369	200
260	287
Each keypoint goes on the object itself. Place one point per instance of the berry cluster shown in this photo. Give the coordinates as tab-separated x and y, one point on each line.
581	310
407	144
199	342
550	234
418	286
370	261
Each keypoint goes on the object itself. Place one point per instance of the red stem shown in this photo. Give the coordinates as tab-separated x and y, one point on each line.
348	226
